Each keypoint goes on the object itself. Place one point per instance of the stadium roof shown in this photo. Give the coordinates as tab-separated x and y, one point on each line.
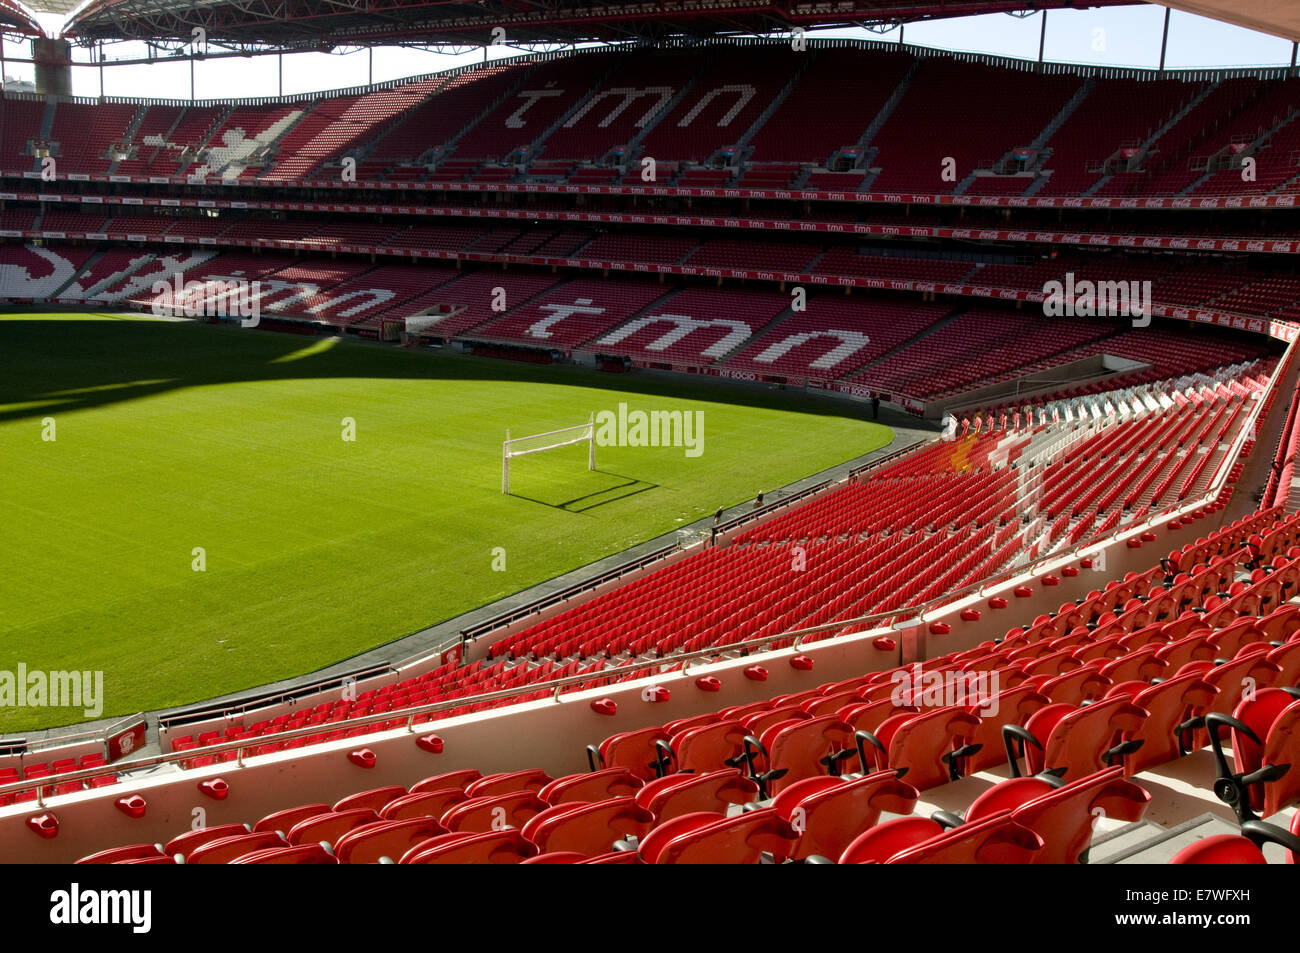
1278	17
329	23
14	19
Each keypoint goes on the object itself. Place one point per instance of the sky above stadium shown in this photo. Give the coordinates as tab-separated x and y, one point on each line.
1114	36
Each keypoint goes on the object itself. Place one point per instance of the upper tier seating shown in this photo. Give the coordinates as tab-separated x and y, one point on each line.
680	107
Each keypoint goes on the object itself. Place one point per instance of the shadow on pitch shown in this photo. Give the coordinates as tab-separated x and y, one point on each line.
612	494
66	364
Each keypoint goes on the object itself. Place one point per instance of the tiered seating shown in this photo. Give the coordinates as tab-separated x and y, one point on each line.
999	185
836	181
1198	135
137	286
112	265
469	301
835	76
340	124
16	220
980	346
572	314
33	271
21	124
85	131
244	139
151	225
569	112
438	119
695	326
1115	114
147	141
173	152
1085	703
734	253
522	117
843	260
387	291
664	250
835	336
606	119
942	115
52	770
73	223
722	104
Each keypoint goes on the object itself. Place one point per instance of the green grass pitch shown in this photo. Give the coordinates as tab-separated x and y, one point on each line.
174	436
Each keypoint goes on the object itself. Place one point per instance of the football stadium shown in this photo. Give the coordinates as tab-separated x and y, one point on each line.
696	432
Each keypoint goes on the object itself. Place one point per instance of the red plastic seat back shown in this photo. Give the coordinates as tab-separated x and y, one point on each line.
588	829
531	780
799	748
391	839
741	839
329	827
594	786
708	747
302	854
634	750
678	794
1220	849
480	814
828	813
491	847
1065	817
225	849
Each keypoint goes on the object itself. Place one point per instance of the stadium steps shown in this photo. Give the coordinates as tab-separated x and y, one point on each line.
656	304
1288	185
757	335
1177	117
84	269
1040	180
1040	141
105	284
1259	142
449	147
271	157
199	147
129	135
166	137
47	128
777	100
1159	846
468	332
593	90
635	142
890	105
363	152
937	326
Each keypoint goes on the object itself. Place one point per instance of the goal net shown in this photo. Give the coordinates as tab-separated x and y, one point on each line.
541	442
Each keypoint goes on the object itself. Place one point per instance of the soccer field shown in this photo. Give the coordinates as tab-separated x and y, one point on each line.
199	524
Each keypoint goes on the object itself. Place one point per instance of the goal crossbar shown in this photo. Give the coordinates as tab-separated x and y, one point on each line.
550	440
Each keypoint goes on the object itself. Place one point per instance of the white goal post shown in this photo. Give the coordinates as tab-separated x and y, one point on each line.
552	440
